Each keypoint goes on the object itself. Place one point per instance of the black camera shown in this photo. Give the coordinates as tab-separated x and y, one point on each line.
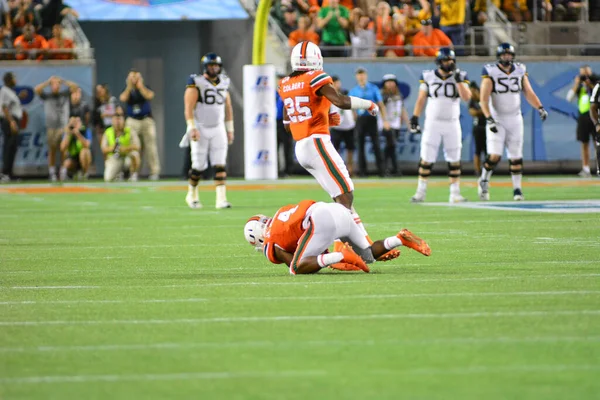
71	127
583	77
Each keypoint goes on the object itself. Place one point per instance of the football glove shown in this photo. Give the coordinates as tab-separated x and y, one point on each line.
543	113
458	76
491	124
374	109
414	125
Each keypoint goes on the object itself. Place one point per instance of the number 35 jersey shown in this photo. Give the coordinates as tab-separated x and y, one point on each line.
308	112
443	101
506	88
210	109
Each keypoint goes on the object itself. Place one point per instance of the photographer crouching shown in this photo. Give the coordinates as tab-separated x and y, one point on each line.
582	88
120	147
75	144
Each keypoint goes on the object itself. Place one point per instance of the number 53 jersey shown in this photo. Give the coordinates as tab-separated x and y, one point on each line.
210	109
308	112
443	101
506	88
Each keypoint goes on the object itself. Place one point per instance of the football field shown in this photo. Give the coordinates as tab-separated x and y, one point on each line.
122	292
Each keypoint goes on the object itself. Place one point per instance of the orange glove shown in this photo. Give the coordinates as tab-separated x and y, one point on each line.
334	119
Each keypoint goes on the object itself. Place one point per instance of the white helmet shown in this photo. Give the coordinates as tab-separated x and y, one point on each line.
254	231
306	56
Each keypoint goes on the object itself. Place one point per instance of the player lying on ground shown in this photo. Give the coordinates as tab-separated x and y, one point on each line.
300	234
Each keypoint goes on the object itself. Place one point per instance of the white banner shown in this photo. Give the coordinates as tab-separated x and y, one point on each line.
260	131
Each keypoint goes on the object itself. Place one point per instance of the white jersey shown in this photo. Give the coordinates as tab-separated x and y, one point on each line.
506	88
210	109
444	100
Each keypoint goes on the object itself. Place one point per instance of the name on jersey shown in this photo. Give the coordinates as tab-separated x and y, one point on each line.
293	86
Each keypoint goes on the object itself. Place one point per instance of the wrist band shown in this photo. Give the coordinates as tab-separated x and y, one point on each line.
191	124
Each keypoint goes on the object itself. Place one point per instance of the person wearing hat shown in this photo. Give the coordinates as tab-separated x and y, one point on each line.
366	124
478	127
394	106
413	18
429	40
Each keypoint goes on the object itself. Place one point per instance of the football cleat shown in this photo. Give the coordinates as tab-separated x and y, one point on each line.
390	255
518	195
418	198
351	257
223	204
457	198
482	189
344	267
411	240
192	202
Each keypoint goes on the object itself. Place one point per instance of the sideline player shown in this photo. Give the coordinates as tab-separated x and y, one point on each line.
502	83
299	235
209	118
444	87
307	95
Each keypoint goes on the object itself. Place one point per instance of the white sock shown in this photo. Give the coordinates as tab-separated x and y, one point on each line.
516	179
422	185
325	260
485	174
586	168
221	193
455	189
52	170
358	222
392	242
193	190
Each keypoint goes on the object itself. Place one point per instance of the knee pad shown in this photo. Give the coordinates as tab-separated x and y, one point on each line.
195	175
219	170
516	166
426	169
492	164
454	170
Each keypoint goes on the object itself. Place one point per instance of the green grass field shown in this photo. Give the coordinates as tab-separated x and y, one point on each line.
128	294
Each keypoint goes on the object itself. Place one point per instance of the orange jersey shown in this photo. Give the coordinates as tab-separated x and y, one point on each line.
285	229
308	112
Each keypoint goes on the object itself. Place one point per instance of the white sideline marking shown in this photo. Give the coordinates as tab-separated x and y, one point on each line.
481	369
294	318
279	298
295	344
300	281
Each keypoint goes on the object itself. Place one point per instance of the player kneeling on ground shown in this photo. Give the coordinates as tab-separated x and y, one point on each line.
121	149
299	235
76	143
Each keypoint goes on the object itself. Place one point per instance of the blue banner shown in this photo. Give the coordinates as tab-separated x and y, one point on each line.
555	139
32	155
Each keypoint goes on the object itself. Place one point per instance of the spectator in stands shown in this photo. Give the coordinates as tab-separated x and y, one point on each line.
387	31
479	12
56	110
333	22
429	40
10	122
76	144
289	21
349	4
21	15
303	33
59	42
516	10
30	45
52	12
568	10
121	148
413	18
137	97
362	36
313	14
5	26
452	21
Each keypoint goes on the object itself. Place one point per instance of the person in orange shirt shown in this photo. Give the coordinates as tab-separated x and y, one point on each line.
349	4
431	37
303	33
58	42
30	45
387	31
299	235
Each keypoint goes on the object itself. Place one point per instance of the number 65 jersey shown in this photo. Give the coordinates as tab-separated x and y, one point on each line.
210	109
506	88
443	99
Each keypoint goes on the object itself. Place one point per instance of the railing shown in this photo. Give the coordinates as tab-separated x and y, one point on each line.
62	55
82	44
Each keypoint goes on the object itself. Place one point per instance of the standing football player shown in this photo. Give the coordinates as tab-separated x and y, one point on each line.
445	87
502	83
594	107
209	118
307	95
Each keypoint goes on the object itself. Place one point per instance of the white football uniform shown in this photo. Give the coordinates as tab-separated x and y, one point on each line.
442	117
210	121
505	108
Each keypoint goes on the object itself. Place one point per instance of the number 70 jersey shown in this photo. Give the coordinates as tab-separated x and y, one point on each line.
506	88
210	108
443	101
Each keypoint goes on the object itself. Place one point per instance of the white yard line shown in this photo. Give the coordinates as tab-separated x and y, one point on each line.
301	343
329	298
296	318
